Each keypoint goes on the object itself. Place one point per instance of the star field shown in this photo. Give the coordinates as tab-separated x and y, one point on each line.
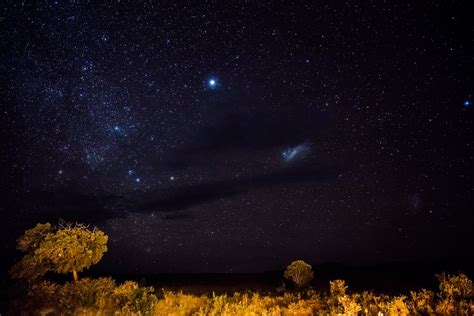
237	137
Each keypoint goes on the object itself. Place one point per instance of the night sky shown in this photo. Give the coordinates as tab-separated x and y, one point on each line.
238	136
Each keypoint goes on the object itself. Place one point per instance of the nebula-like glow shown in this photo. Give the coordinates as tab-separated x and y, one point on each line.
292	153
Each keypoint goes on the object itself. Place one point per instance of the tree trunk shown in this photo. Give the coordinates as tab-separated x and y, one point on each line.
74	274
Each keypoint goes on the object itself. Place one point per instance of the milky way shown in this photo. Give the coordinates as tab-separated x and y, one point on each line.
238	136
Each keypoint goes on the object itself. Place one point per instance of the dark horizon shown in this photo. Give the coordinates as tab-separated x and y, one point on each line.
239	137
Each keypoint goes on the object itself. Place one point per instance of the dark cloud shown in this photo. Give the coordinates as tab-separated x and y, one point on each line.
188	196
74	206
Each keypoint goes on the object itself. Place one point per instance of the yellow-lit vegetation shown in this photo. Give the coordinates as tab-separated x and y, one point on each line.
67	249
103	296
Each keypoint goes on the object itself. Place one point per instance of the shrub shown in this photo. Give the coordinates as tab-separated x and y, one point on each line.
337	288
397	306
422	301
41	297
103	297
96	296
455	286
445	307
131	298
180	304
350	305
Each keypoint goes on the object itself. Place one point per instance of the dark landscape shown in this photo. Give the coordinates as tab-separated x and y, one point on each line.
394	278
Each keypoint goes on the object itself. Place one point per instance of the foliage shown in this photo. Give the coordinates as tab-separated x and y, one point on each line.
95	296
455	286
103	297
337	288
299	272
456	295
64	250
341	303
30	267
32	238
422	301
397	306
86	293
132	298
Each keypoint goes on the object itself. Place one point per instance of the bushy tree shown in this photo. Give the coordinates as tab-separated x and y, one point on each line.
299	272
68	249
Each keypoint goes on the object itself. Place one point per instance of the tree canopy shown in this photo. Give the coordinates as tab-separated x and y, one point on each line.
299	272
67	249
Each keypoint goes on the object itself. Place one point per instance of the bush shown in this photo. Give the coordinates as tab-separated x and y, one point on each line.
456	286
103	297
337	288
40	298
397	306
100	296
131	298
422	301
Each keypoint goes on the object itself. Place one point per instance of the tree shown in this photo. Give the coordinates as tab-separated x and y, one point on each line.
69	249
299	272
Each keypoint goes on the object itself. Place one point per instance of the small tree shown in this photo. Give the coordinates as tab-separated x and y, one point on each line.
69	249
299	272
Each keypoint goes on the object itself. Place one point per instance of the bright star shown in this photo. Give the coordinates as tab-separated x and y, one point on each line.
467	103
212	83
171	178
130	172
137	180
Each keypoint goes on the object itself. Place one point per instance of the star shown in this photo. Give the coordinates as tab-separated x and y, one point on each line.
137	180
171	178
212	83
119	130
467	103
